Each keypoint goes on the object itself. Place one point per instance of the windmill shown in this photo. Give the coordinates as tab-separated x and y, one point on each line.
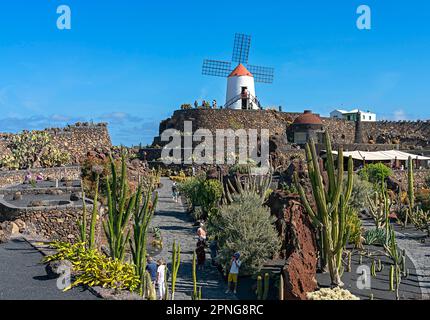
241	78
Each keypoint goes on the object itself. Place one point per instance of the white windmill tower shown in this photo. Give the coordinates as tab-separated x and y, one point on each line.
240	80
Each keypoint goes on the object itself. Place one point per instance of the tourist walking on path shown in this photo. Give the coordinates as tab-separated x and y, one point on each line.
175	192
161	278
201	255
152	267
196	104
201	233
234	272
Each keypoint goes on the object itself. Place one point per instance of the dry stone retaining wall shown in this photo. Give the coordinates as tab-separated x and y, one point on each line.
17	176
56	223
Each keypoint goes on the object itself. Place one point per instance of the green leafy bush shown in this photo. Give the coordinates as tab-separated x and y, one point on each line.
245	226
360	190
202	193
375	173
354	224
93	268
190	189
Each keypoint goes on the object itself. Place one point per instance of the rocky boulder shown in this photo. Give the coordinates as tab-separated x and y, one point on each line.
55	268
299	247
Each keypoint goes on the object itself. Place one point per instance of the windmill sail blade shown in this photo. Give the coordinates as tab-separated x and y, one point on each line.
216	68
262	74
242	42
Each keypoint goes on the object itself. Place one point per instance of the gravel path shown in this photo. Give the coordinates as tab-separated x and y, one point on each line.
418	253
23	277
176	225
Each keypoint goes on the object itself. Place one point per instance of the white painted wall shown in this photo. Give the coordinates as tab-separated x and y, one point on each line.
234	88
365	116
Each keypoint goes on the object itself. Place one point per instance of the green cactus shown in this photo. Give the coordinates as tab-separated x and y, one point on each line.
411	191
176	261
392	278
421	220
349	259
197	292
281	288
380	207
266	286
82	223
150	288
259	287
373	269
31	149
398	258
380	266
331	205
144	205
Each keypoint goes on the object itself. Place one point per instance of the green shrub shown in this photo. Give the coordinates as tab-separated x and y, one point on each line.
355	228
360	190
210	195
190	189
202	193
375	173
245	226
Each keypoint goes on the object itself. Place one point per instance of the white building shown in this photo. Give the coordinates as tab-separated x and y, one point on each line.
353	115
241	90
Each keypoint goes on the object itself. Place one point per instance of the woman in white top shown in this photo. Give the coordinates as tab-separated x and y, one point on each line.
161	278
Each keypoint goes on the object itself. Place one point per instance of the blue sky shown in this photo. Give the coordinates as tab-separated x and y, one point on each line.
132	63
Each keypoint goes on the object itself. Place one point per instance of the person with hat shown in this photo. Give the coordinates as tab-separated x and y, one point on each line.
234	272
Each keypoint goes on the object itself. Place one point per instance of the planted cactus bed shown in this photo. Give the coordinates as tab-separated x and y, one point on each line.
409	287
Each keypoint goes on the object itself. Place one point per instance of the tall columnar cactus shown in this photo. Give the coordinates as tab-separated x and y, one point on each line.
120	208
82	223
266	286
144	207
176	261
411	192
281	288
259	287
150	288
197	292
331	204
398	268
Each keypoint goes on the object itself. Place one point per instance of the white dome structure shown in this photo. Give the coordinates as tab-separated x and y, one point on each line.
241	90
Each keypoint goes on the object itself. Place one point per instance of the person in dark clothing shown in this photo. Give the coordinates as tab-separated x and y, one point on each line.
201	254
151	267
213	246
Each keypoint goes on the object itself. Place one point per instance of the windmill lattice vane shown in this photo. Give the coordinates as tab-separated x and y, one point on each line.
242	44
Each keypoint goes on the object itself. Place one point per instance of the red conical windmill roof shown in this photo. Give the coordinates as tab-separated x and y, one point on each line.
239	71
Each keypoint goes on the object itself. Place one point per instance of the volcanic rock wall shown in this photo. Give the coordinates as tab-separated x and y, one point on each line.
406	134
212	119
